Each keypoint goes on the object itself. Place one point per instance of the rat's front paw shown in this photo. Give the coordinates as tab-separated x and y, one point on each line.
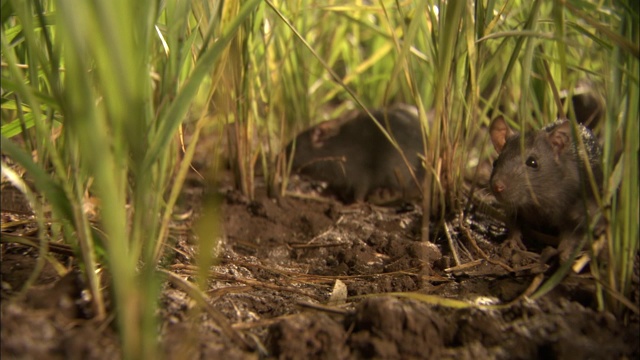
384	196
512	245
566	246
548	254
515	252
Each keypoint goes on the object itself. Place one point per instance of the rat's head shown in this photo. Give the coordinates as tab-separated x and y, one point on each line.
535	170
311	143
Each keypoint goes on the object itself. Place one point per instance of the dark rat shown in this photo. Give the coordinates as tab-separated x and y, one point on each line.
542	183
587	105
357	160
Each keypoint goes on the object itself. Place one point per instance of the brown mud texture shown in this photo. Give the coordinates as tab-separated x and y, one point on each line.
308	278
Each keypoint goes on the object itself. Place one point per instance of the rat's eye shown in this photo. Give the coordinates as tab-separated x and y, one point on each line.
531	162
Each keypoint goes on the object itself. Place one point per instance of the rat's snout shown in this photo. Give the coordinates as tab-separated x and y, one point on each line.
498	186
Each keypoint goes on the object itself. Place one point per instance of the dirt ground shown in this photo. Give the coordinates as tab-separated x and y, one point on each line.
305	277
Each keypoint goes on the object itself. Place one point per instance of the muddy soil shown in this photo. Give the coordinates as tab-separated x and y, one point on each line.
305	277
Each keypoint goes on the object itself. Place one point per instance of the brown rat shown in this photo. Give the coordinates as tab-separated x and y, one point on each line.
357	160
542	183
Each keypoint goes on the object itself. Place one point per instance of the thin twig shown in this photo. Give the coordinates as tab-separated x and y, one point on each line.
454	252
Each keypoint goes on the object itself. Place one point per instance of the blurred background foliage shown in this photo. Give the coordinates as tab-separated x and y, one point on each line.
95	95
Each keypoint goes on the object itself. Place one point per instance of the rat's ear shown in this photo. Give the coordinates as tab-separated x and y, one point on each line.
560	137
500	132
324	131
317	136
